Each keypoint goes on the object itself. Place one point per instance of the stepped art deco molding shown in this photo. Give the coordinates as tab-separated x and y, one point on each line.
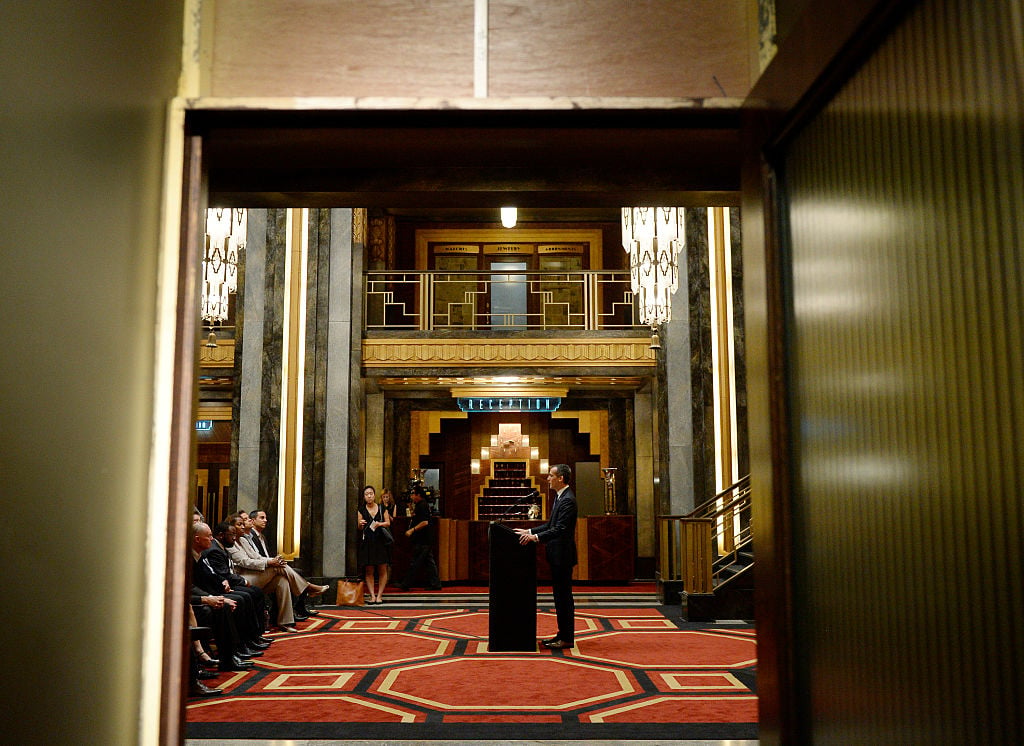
391	353
221	356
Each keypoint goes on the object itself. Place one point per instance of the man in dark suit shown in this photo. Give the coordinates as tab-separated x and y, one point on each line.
217	613
559	538
248	617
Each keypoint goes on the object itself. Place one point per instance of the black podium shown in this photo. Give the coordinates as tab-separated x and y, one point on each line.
513	592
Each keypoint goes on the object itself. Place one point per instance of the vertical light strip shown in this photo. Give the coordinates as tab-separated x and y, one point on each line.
480	20
723	375
289	490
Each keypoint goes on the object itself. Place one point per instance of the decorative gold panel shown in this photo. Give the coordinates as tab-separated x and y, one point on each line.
508	248
380	353
211	411
588	237
221	356
561	248
456	248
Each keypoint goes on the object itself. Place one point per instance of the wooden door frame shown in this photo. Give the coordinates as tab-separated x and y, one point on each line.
247	154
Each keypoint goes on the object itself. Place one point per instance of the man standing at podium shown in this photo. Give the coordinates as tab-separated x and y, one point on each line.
559	538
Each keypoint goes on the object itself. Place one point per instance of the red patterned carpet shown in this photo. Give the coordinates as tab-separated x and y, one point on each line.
379	673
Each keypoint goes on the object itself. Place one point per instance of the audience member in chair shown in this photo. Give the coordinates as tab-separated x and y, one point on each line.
256	524
223	536
248	618
217	613
267	573
196	688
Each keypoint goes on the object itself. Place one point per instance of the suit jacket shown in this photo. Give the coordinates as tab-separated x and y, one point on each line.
245	557
558	535
206	578
268	543
219	560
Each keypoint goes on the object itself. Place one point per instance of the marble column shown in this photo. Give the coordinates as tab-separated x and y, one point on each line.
345	269
249	362
677	483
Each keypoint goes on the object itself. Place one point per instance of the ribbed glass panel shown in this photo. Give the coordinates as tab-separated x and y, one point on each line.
907	245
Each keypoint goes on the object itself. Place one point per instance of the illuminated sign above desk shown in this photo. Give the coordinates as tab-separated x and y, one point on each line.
509	403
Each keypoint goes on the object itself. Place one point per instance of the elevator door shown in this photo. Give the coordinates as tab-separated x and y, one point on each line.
508	295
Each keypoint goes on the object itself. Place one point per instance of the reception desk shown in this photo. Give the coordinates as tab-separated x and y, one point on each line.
606	546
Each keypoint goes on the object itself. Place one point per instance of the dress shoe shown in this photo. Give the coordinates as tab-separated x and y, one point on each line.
311	612
199	689
288	628
203	675
236	664
265	640
209	662
317	590
550	639
246	652
299	617
256	645
557	644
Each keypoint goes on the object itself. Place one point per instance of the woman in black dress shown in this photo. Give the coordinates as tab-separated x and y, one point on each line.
374	544
387	501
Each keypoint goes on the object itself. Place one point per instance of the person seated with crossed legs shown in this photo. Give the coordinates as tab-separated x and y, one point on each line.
256	525
267	573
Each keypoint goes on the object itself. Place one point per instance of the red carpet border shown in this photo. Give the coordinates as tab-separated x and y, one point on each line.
427	674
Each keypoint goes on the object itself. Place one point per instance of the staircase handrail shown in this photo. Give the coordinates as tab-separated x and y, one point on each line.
740	490
690	543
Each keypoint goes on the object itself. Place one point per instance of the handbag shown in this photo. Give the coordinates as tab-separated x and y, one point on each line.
350	592
386	536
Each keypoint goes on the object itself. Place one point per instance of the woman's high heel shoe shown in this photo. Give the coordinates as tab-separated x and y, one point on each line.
207	662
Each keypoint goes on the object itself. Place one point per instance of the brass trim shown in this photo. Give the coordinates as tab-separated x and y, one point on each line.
575	382
390	353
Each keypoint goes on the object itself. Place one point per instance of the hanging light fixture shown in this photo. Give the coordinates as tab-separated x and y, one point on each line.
225	240
653	238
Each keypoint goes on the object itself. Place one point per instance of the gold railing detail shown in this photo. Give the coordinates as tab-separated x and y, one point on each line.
695	550
585	300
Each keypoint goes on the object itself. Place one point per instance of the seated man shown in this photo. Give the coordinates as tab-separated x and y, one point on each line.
248	619
254	526
223	536
267	573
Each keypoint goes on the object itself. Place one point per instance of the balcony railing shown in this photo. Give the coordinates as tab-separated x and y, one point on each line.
489	301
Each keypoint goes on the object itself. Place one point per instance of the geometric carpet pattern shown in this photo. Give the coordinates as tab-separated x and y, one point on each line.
375	673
